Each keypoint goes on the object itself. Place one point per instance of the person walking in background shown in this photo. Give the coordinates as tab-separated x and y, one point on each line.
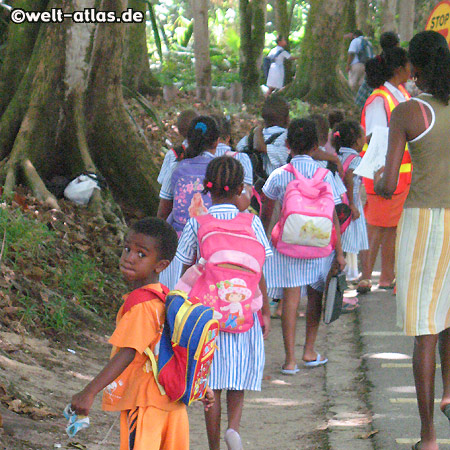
423	264
275	78
387	73
359	51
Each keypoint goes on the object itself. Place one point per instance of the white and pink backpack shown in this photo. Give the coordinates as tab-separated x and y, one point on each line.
228	273
305	229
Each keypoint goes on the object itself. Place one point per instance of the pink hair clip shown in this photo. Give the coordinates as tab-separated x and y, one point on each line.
226	188
209	184
337	134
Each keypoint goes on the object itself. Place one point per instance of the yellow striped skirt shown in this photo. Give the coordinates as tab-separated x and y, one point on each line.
423	271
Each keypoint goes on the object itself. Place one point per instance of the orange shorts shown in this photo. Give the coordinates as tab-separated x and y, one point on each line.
381	212
149	428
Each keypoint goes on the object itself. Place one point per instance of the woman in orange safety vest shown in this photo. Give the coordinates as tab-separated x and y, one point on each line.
386	73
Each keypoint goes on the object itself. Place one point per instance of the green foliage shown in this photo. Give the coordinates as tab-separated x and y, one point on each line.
56	284
298	108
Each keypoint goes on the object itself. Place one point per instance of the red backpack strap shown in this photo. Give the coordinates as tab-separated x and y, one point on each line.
347	162
144	294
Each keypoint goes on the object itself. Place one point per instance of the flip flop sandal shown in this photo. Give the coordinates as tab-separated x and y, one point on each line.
349	307
416	446
387	288
316	363
293	371
364	286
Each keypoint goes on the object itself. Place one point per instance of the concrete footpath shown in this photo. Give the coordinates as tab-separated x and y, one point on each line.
387	361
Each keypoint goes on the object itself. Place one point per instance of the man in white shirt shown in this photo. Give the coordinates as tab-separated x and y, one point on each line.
355	68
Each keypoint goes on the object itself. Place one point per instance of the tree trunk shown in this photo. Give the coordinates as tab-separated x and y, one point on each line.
388	9
21	37
68	114
201	49
317	79
252	31
136	68
406	20
362	16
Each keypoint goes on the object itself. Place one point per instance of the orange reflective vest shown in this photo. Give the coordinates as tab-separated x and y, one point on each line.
390	102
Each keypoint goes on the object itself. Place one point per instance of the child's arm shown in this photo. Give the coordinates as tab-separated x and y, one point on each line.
266	212
348	181
164	209
81	403
320	155
258	140
339	253
265	310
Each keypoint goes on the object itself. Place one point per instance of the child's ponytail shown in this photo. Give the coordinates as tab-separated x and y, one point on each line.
202	135
345	134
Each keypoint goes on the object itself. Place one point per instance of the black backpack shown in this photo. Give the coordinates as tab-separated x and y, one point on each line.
259	174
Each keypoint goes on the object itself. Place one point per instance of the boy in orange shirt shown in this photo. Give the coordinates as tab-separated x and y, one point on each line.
149	420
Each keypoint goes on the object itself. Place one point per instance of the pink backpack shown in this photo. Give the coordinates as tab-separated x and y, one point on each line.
305	229
229	278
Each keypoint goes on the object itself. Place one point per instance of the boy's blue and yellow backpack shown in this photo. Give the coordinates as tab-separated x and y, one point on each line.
186	349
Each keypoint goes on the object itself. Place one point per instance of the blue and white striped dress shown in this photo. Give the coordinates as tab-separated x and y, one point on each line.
169	164
238	363
354	239
282	271
277	152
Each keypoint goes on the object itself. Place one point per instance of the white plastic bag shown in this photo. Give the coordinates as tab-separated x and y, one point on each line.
81	188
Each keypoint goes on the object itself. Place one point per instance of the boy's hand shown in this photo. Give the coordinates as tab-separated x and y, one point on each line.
266	326
209	399
81	403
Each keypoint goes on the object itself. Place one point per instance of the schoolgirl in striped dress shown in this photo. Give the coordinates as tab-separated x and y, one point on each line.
239	359
348	140
170	159
203	138
282	271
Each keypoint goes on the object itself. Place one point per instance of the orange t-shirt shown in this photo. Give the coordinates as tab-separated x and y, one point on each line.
138	328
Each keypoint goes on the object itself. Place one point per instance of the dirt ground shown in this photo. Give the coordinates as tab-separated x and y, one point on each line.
289	413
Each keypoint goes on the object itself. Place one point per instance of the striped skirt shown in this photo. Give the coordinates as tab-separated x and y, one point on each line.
238	362
423	271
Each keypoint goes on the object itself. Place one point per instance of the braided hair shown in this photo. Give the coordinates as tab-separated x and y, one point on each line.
224	176
302	136
202	135
345	134
429	52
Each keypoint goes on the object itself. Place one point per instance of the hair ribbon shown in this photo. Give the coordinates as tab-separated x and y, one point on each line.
201	126
209	185
336	134
226	188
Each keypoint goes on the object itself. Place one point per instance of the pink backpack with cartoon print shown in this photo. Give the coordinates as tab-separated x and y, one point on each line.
305	229
232	265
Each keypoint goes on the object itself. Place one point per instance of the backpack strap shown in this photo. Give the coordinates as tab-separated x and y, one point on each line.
290	168
347	162
320	174
273	137
278	53
140	298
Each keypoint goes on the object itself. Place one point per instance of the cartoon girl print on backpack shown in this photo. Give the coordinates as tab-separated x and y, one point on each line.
235	294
